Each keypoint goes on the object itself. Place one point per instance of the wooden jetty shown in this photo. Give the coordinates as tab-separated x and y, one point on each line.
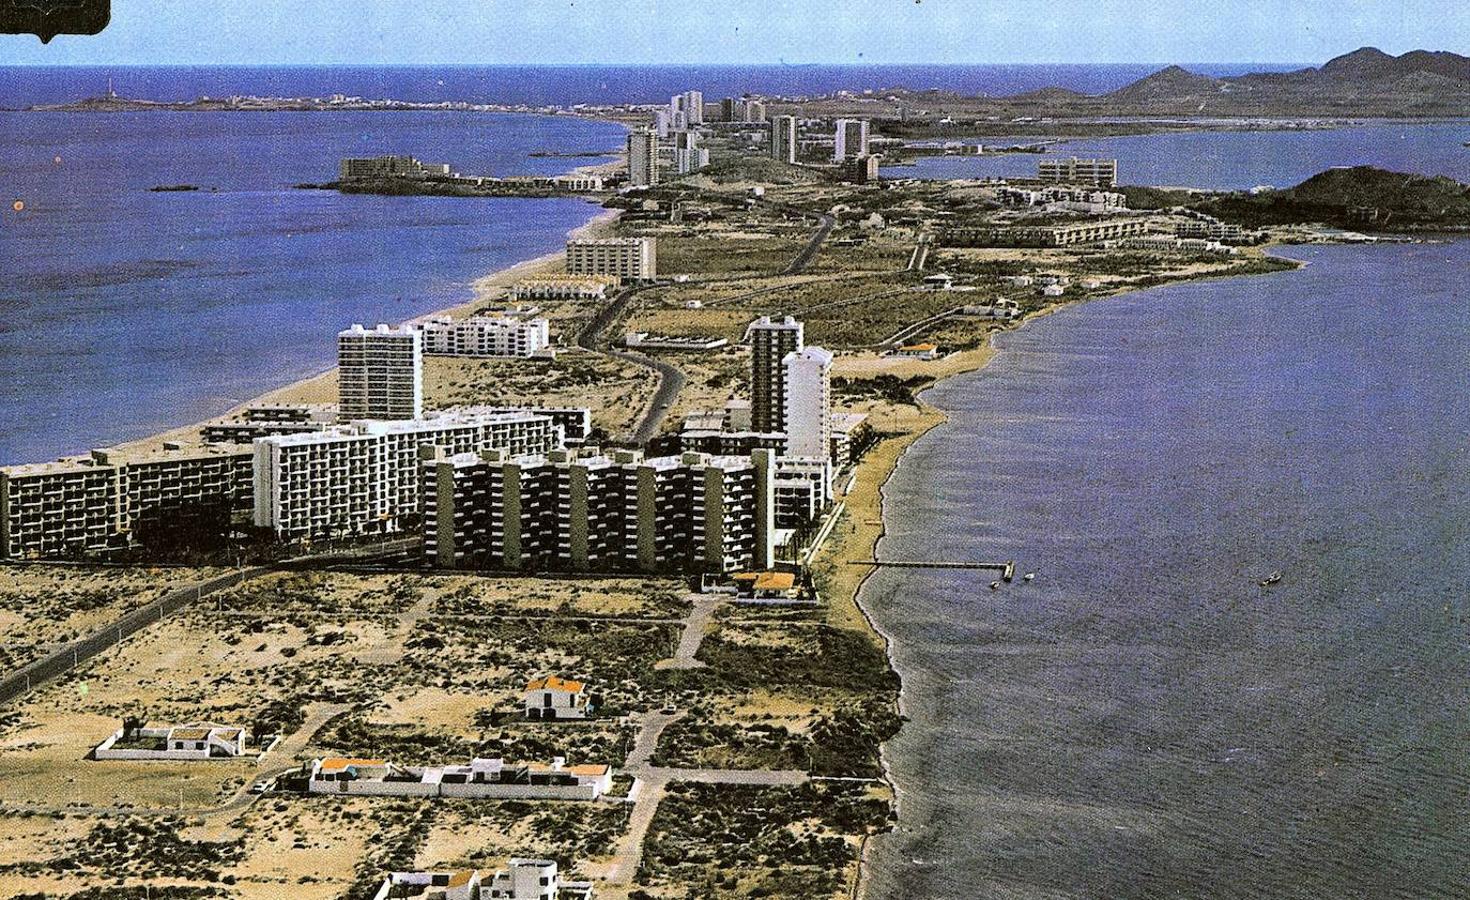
1007	568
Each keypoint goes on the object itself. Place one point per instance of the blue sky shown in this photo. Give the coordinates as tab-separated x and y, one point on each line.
747	31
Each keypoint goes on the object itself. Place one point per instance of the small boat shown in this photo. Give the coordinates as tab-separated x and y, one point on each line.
995	585
1270	579
1029	576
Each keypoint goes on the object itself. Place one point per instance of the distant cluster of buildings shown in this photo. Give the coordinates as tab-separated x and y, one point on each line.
368	168
1078	199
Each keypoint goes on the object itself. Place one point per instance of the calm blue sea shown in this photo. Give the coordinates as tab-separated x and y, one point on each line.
1232	160
1144	719
125	311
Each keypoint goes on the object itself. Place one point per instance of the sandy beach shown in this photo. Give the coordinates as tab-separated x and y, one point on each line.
322	387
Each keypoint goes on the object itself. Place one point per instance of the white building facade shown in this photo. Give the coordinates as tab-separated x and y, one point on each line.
486	336
380	373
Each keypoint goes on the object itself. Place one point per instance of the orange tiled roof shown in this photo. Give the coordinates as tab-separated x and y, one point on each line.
588	769
553	683
337	763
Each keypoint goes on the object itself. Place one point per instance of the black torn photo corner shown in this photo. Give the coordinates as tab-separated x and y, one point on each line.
48	18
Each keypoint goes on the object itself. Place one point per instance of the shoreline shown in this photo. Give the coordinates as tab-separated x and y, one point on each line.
932	417
320	387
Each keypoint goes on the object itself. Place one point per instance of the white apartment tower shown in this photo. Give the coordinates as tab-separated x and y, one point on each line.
771	341
783	138
688	155
642	158
850	140
755	111
693	105
807	403
380	373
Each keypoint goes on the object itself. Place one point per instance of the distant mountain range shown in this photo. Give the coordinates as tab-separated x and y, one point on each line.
1365	81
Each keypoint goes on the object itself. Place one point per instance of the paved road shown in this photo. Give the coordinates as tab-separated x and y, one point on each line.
593	339
769	777
809	252
694	627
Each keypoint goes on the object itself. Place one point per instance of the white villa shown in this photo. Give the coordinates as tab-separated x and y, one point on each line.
556	698
177	742
481	779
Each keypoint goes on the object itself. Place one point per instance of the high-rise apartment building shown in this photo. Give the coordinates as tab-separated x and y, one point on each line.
568	511
624	258
806	407
850	139
688	155
694	107
771	341
380	373
1073	170
755	111
783	138
729	107
642	158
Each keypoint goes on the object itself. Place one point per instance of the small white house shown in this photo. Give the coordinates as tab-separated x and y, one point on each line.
1053	290
939	282
556	698
178	742
534	879
463	884
999	308
918	351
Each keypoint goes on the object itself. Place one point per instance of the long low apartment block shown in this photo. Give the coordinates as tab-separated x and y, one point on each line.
363	477
109	501
586	511
1063	235
487	337
481	779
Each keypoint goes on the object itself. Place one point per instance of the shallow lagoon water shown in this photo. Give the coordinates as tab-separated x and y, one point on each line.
1144	719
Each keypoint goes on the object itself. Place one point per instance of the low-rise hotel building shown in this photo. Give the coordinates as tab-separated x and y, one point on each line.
629	259
587	511
1067	235
263	421
486	336
482	779
564	287
363	478
111	500
521	879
